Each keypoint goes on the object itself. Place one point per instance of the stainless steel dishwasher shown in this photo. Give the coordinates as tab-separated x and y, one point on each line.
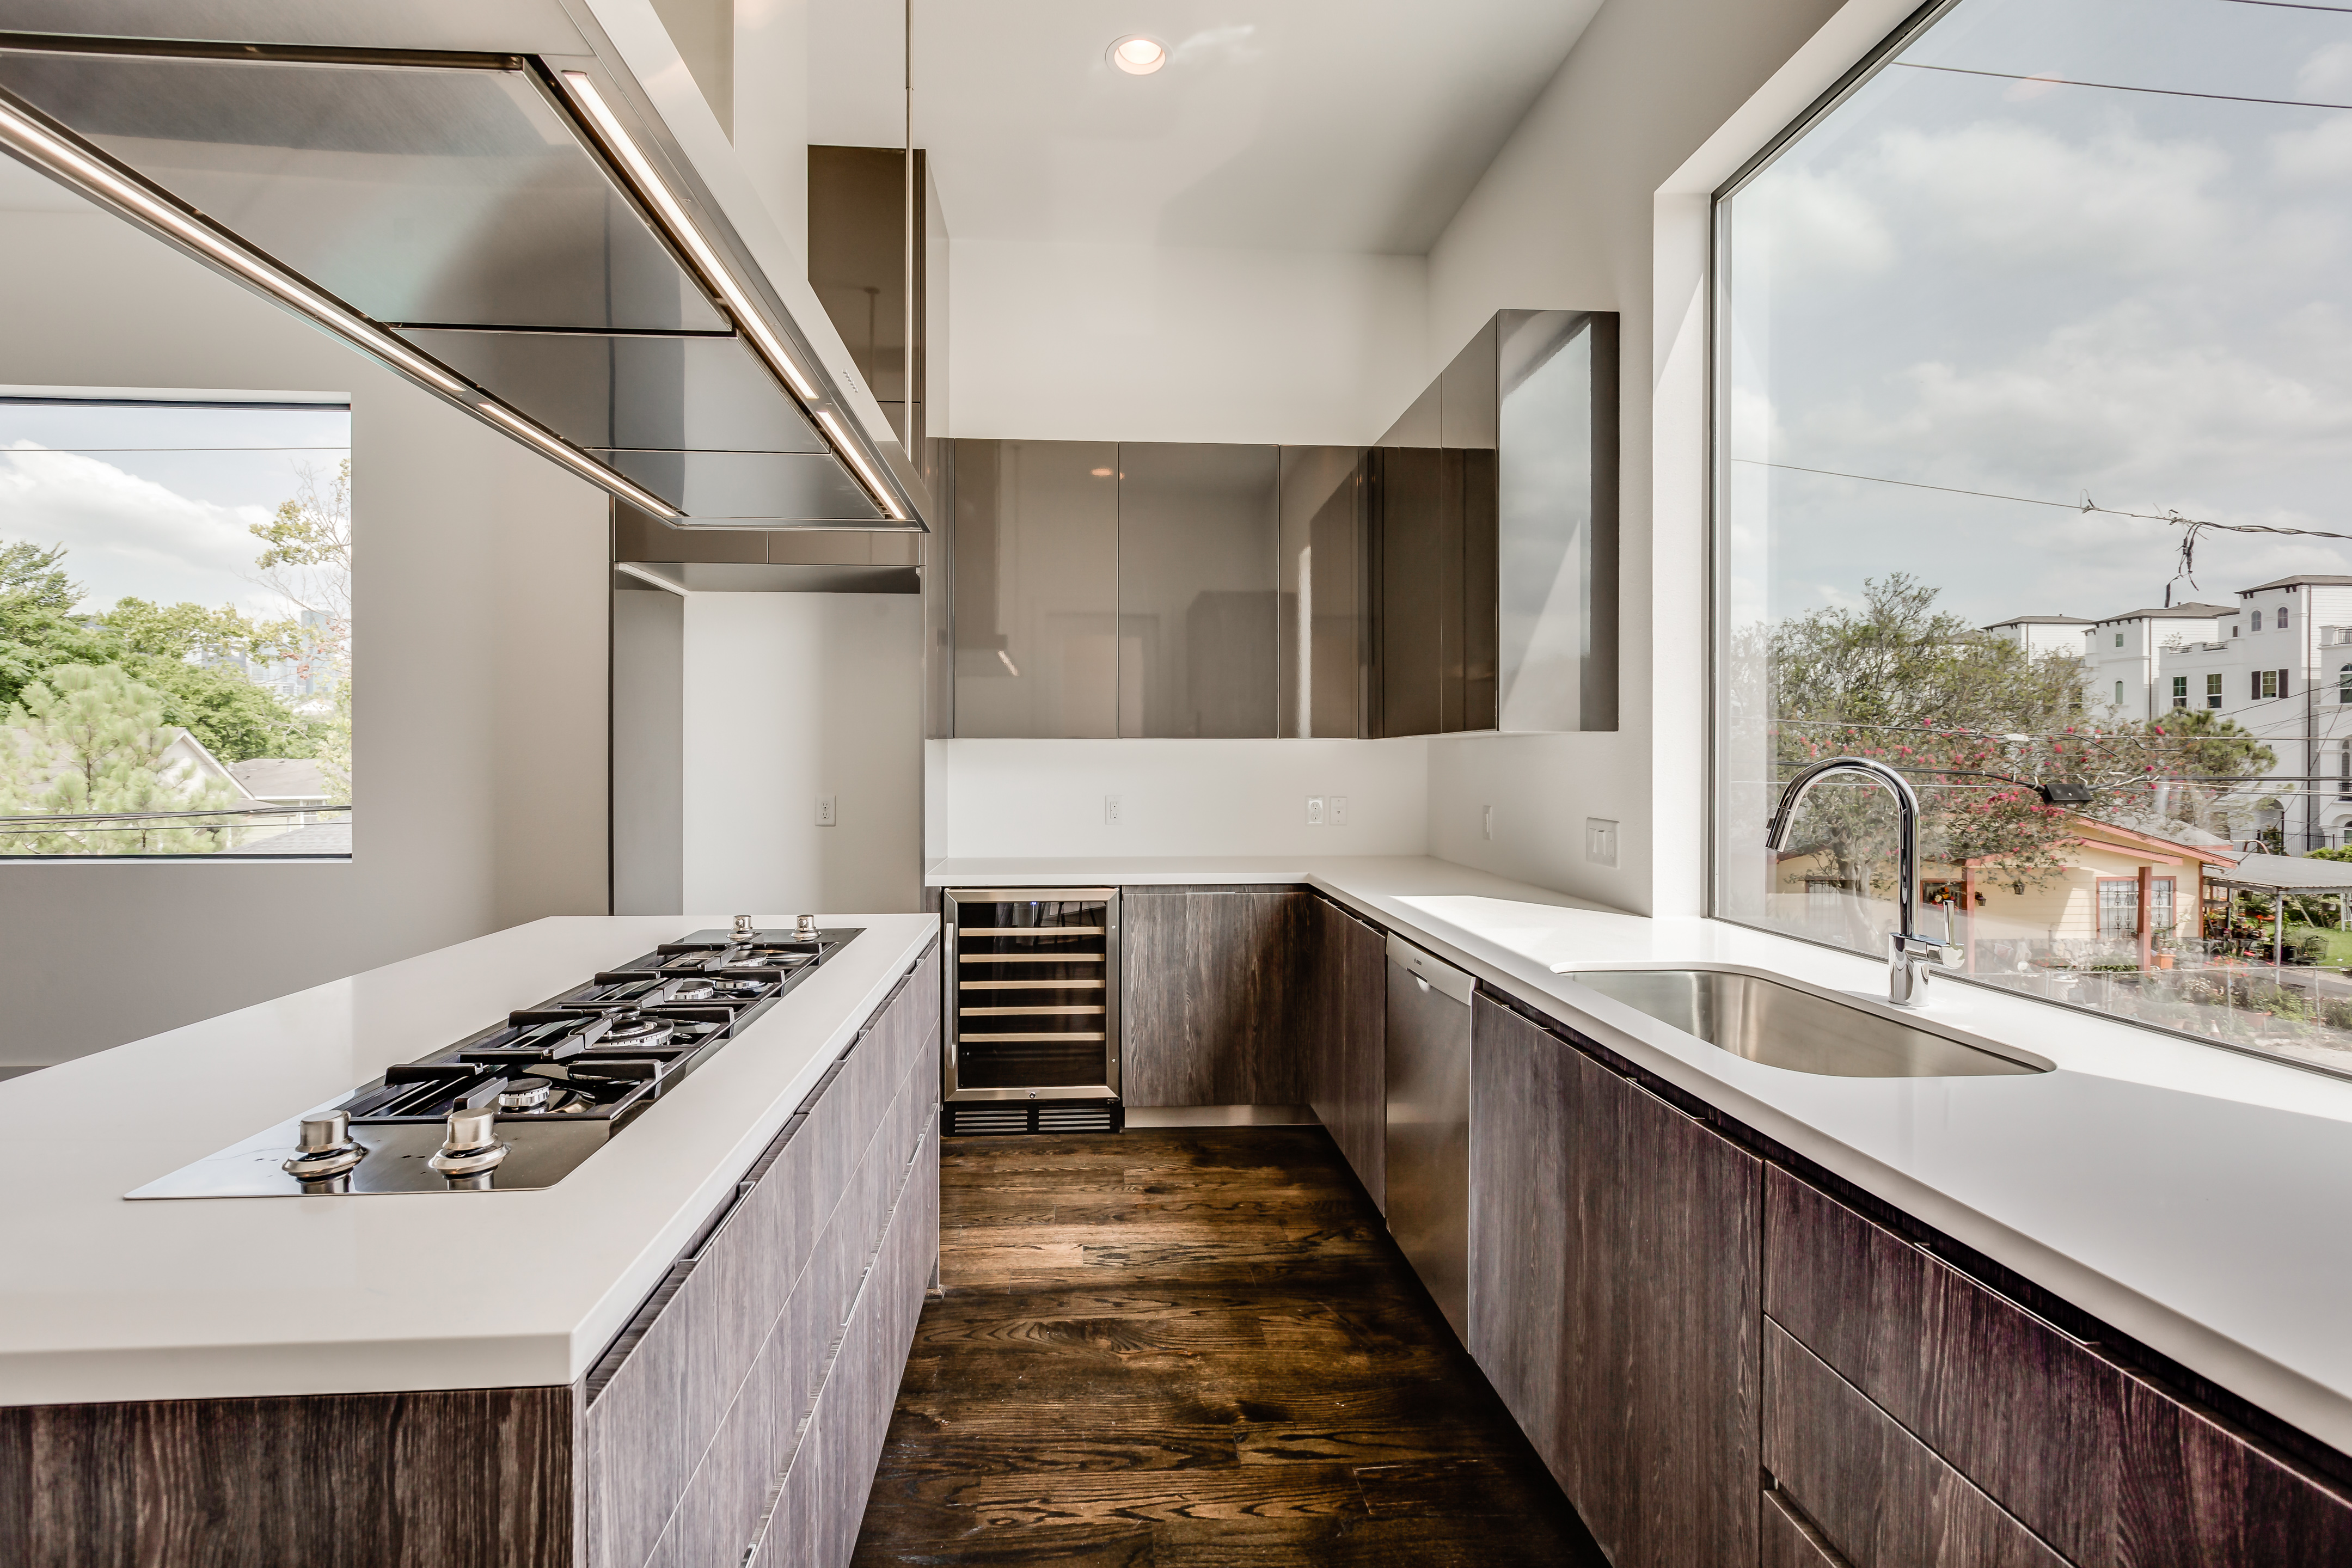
1429	1123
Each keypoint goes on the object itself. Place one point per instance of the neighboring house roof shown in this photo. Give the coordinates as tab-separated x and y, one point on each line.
2175	612
2289	873
2100	835
2040	621
2296	582
185	749
318	838
280	778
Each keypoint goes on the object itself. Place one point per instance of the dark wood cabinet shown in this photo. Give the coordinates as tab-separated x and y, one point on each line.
1614	1293
1345	1029
2101	1462
1212	988
1876	1493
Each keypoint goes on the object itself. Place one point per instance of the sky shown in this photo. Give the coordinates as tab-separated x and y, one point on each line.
158	503
2051	291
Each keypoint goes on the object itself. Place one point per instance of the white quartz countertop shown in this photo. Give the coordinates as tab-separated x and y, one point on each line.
2198	1199
103	1299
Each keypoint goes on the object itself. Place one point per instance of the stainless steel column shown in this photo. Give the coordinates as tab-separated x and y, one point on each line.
1429	1123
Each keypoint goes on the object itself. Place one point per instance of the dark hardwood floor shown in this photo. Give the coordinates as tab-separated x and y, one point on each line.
1193	1348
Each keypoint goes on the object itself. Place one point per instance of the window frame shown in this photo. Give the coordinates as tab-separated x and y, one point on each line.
1716	561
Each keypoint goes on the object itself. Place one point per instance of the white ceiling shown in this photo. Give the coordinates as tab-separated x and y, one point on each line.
1349	125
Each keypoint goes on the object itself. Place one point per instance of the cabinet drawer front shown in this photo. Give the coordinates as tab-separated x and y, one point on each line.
1877	1493
1787	1543
2027	1414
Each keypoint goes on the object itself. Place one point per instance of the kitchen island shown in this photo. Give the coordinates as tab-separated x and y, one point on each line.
687	1345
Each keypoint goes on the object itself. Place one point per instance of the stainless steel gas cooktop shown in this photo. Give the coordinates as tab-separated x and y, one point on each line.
523	1102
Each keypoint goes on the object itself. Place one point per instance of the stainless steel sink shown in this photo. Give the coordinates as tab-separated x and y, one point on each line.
1784	1026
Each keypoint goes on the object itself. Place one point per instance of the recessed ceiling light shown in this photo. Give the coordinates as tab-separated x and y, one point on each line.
1137	56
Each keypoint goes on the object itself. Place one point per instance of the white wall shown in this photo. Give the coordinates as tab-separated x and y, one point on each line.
480	604
790	697
771	94
1122	342
1178	797
1566	218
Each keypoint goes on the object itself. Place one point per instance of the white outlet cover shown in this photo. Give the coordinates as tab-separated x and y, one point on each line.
1111	810
1314	811
1599	841
1337	813
825	811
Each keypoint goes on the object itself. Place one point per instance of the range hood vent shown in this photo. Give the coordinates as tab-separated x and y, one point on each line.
518	234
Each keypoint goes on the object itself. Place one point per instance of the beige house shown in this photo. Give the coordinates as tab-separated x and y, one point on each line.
2118	892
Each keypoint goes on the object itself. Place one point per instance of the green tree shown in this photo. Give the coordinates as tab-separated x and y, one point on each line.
87	740
1975	723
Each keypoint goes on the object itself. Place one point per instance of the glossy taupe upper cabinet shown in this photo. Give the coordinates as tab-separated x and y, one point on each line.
1321	650
1493	536
1036	592
1197	529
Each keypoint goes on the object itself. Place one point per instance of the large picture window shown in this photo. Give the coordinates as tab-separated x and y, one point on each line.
175	626
2033	388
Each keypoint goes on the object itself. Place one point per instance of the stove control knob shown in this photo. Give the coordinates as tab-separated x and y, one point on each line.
471	1145
326	1148
805	929
744	929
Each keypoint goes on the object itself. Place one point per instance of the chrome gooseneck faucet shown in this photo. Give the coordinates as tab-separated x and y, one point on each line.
1909	954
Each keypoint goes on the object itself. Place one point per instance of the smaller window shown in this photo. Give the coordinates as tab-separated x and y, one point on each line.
2234	628
2344	683
2180	691
2282	617
2120	693
2213	687
2258	620
2344	770
2282	690
2119	639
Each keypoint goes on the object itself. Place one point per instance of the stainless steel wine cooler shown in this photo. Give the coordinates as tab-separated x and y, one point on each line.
1032	1010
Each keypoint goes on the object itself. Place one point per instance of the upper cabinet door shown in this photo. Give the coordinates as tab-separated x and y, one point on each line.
1493	532
1555	505
1198	526
1036	589
1321	631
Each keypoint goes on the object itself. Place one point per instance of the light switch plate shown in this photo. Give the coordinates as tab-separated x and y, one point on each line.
1110	810
825	811
1314	811
1336	813
1599	841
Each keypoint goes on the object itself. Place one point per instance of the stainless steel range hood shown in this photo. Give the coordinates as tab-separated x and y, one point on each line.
525	208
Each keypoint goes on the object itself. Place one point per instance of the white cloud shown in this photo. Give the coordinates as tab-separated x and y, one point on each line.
2019	194
125	535
2327	74
2318	154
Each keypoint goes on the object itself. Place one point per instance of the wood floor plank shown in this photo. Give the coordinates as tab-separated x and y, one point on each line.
1170	1348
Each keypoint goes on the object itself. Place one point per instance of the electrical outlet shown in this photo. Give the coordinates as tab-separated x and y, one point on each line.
1336	813
1314	811
1110	810
1599	841
825	811
1488	826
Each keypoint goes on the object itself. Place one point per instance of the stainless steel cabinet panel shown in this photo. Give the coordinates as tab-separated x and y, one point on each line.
1427	1161
1322	650
1198	529
1036	589
416	196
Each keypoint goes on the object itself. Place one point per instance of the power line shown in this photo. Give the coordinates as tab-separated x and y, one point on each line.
2121	86
2084	505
